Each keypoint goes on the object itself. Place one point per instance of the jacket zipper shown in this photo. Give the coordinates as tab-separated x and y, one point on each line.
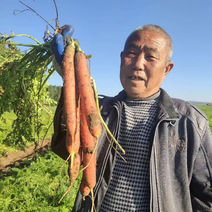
109	149
154	158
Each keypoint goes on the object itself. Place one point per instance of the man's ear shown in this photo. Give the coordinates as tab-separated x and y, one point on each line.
121	54
169	67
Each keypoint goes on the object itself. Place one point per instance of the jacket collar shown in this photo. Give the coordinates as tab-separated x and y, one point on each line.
119	98
166	105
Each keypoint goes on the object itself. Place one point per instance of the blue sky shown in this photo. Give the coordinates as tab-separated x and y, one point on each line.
101	26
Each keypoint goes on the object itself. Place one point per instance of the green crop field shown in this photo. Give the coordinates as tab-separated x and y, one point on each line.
208	111
37	186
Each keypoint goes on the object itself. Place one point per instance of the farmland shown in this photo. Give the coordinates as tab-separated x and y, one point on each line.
38	183
37	186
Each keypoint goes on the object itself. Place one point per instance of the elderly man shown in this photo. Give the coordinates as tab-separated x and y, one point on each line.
167	141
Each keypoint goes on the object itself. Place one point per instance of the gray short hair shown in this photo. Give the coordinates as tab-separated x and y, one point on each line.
152	27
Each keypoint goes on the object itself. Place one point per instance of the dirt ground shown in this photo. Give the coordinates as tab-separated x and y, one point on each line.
18	157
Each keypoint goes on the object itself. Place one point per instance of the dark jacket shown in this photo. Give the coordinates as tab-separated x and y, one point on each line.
180	161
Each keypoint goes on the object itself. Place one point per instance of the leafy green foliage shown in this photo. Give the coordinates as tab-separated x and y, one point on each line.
54	92
23	89
38	186
6	122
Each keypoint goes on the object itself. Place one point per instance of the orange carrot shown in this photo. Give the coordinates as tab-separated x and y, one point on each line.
84	189
72	116
88	143
89	162
87	94
73	171
68	143
69	93
89	175
76	143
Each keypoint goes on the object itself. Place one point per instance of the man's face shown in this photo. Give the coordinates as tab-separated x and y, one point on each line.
144	64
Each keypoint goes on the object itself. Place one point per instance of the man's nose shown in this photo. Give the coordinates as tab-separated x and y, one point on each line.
139	63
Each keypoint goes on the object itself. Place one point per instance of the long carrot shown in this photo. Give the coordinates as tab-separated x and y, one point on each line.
69	94
75	158
72	115
86	94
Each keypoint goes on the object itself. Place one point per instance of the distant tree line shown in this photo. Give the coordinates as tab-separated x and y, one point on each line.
54	92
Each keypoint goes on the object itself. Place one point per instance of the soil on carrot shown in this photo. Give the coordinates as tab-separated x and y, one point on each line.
93	119
14	158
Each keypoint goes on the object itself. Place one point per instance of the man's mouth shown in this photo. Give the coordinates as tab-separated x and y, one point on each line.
135	78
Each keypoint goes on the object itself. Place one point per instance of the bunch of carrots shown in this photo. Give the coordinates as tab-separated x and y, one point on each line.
82	118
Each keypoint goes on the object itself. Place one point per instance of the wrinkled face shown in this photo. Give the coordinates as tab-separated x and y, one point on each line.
144	64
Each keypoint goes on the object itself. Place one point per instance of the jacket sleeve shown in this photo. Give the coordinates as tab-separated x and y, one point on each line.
58	142
201	183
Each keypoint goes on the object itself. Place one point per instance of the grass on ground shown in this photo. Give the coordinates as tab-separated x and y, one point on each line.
37	187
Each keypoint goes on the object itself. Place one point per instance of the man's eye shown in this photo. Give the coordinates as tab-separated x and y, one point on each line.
151	57
131	54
